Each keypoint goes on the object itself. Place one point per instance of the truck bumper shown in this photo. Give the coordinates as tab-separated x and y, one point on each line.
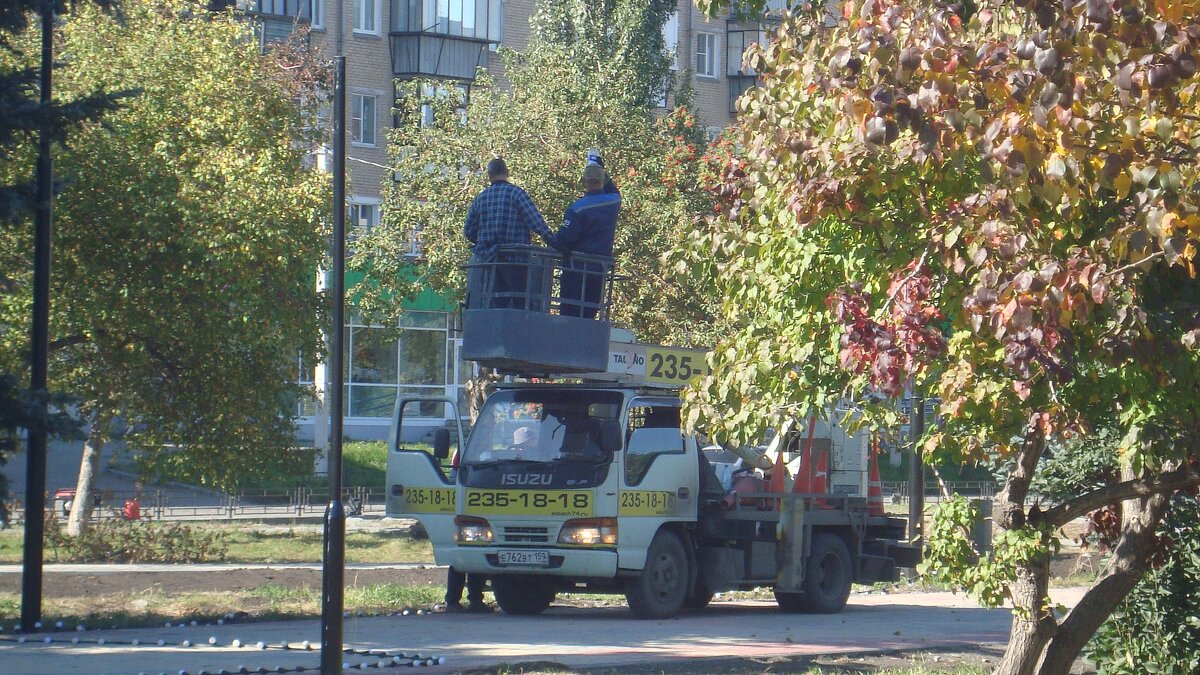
564	562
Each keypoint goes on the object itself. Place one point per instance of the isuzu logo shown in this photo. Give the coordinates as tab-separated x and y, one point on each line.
526	478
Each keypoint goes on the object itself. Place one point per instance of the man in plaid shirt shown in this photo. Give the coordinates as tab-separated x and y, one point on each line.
502	215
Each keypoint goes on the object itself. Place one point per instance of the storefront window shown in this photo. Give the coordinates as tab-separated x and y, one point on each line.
374	356
371	401
423	357
416	359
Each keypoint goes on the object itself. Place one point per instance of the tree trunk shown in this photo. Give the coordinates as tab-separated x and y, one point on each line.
479	388
89	467
1141	518
1033	623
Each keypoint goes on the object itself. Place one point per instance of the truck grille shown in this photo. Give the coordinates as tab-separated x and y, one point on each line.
526	535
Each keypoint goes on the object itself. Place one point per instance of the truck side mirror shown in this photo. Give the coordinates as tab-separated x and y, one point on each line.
441	443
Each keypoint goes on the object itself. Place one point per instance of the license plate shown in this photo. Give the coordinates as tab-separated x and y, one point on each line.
524	558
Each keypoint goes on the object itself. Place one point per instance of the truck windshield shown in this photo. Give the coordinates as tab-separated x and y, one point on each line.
544	426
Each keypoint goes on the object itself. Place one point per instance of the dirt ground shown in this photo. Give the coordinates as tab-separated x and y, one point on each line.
76	585
82	585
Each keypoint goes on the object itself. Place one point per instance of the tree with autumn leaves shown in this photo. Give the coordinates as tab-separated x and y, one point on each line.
996	204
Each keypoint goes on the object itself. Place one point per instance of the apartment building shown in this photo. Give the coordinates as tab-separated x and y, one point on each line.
389	40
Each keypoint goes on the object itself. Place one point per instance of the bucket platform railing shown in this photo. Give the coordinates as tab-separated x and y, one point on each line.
534	311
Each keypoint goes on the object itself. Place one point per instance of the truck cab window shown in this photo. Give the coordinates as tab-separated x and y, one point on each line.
528	427
653	431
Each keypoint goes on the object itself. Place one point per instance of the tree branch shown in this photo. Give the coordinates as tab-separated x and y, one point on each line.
1011	500
1130	266
1142	487
63	343
913	273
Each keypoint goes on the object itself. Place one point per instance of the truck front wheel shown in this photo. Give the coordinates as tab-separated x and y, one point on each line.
522	595
660	590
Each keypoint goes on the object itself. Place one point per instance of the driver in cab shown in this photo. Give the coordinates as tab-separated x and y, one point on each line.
524	446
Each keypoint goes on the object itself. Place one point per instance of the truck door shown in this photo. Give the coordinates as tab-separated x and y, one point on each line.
659	476
420	478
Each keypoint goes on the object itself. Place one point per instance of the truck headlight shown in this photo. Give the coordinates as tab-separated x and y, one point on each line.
471	530
589	532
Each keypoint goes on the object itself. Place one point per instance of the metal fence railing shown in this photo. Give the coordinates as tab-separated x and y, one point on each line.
298	502
979	489
302	502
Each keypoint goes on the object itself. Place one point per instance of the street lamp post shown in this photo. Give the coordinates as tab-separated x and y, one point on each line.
35	468
333	571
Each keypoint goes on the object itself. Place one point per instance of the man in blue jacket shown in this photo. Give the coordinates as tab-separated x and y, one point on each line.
589	226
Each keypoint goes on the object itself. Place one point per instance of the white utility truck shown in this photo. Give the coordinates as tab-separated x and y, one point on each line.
592	486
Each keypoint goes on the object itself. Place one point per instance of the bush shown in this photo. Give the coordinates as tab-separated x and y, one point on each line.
136	541
1156	629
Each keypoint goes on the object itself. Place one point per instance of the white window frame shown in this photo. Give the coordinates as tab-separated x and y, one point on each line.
361	17
354	205
711	51
317	8
671	38
358	121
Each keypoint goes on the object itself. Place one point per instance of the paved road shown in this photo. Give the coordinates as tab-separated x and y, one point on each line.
575	637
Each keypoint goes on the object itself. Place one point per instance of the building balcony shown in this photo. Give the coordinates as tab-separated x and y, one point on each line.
444	39
420	54
275	20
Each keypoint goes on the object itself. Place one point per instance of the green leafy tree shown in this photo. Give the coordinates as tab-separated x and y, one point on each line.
995	203
186	246
1156	628
585	81
22	117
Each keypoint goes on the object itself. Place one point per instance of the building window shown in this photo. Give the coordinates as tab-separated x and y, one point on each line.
739	37
362	119
736	43
670	34
706	54
364	216
318	14
413	242
366	16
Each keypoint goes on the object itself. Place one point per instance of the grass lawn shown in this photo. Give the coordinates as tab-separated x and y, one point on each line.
254	543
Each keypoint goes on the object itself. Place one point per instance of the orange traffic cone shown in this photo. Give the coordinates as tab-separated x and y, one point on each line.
819	479
778	482
874	486
803	482
818	483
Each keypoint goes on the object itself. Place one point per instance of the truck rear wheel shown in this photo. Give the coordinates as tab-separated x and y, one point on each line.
828	576
660	590
522	595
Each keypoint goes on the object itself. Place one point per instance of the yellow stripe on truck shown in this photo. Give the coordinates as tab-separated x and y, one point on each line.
573	503
428	500
674	366
646	503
